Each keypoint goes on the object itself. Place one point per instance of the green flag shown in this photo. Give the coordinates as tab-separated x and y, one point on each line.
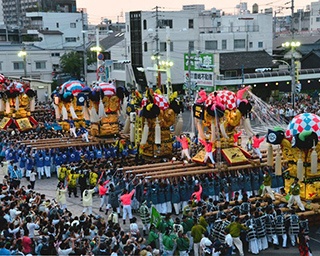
155	217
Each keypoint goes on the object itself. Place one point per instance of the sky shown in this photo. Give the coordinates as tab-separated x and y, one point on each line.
115	10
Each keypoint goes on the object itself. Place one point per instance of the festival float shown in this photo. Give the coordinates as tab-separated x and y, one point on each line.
217	116
149	118
300	147
96	108
17	102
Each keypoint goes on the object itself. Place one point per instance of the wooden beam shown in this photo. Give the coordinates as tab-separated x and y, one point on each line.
164	168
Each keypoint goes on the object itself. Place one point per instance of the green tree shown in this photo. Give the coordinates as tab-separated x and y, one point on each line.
72	63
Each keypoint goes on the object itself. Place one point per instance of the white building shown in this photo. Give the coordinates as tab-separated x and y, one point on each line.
39	62
192	28
52	30
315	16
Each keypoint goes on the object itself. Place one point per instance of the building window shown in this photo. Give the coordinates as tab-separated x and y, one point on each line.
260	44
18	65
211	45
232	73
57	24
224	44
71	39
239	43
250	44
317	19
119	66
191	45
1	65
40	65
55	54
144	24
165	23
190	23
55	67
145	46
73	25
163	46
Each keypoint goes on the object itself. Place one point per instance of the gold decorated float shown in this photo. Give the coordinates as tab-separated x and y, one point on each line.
217	117
17	101
149	119
96	108
301	148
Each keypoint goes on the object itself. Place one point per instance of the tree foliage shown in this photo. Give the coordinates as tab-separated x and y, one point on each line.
72	63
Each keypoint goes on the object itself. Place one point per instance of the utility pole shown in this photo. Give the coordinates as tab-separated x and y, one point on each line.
190	92
84	48
293	80
157	55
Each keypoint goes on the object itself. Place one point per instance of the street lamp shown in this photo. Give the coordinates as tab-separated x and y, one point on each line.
283	62
97	49
292	46
23	54
167	66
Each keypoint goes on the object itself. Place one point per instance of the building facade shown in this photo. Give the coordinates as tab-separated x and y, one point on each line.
38	63
155	36
51	30
14	11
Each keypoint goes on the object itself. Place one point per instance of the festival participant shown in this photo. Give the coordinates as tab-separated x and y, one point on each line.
22	163
182	244
292	221
249	144
197	193
61	195
47	163
236	137
185	147
196	232
32	178
114	192
256	146
145	217
235	229
126	203
72	183
267	179
295	195
93	179
87	201
29	165
84	134
270	227
57	161
176	200
39	164
208	148
280	227
62	173
103	190
72	129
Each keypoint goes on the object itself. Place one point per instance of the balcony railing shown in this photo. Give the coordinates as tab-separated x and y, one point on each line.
229	29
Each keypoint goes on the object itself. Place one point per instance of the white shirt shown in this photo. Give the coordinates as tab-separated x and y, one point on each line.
14	213
205	242
64	252
33	176
32	227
